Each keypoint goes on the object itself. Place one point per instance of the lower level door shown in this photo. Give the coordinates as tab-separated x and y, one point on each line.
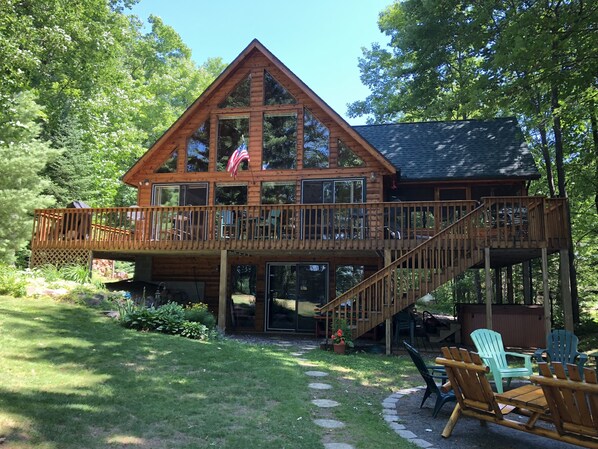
294	292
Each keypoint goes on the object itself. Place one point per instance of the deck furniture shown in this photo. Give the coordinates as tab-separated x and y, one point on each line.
573	402
431	374
491	349
561	346
475	398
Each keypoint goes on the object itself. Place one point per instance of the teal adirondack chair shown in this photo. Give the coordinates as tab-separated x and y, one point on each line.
492	351
561	346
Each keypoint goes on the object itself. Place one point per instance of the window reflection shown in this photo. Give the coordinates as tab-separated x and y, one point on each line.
240	96
280	142
231	131
315	142
274	93
198	149
171	163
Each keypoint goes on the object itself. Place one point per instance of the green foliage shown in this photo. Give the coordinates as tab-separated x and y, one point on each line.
341	332
75	273
167	319
12	282
23	156
200	313
194	330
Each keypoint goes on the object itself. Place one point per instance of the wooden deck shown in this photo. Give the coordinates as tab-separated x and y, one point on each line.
508	223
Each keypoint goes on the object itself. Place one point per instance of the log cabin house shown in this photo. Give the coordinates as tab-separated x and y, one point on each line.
325	219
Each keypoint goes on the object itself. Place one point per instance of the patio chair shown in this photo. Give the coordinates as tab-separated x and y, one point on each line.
573	402
430	375
491	349
570	404
561	346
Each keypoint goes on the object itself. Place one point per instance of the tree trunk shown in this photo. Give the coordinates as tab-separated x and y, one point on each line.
560	168
547	159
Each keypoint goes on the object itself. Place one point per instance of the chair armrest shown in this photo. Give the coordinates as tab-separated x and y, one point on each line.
583	358
538	355
527	358
436	368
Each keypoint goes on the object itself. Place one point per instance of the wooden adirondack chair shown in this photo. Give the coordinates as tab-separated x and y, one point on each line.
430	374
573	402
492	351
561	347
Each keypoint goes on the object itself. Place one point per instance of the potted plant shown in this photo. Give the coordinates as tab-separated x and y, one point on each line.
341	338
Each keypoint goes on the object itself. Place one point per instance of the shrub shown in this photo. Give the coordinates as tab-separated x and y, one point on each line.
200	313
167	319
75	273
12	281
194	330
49	272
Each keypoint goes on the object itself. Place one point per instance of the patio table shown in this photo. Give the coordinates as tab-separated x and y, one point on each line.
527	397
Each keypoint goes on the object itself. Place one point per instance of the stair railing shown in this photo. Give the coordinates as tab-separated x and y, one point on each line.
420	271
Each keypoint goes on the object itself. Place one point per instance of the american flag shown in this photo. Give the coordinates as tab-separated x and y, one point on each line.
234	161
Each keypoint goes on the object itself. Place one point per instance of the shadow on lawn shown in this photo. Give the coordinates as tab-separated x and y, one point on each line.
94	384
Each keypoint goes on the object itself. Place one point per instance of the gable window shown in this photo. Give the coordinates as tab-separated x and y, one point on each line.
274	93
347	158
231	132
240	95
333	191
316	151
180	194
278	193
280	142
198	149
227	194
169	166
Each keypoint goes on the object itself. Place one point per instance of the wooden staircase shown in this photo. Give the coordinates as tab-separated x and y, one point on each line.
501	223
447	254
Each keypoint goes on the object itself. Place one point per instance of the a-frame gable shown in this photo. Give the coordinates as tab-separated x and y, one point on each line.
218	91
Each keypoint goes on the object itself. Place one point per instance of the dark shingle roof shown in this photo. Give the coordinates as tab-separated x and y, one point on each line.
477	149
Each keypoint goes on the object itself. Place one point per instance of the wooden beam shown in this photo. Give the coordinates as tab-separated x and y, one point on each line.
222	294
546	293
488	288
566	289
388	324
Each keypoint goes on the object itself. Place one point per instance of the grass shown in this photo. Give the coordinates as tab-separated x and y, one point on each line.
72	378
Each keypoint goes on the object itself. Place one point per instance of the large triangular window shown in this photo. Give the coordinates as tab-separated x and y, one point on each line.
315	142
240	96
274	93
347	158
170	165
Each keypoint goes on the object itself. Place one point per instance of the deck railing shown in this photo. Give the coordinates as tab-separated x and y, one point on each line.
297	226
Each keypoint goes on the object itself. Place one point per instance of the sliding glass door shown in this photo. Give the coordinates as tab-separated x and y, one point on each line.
294	291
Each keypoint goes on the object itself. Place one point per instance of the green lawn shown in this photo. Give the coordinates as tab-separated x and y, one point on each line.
72	378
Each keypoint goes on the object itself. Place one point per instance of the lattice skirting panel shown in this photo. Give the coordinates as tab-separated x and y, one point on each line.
60	257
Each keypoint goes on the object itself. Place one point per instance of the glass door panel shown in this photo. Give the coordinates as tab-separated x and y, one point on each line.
312	281
294	291
282	297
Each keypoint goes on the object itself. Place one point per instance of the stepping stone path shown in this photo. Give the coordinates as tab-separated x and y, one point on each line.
329	424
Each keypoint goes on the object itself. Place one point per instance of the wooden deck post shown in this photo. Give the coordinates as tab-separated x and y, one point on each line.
546	293
566	289
388	323
222	298
488	288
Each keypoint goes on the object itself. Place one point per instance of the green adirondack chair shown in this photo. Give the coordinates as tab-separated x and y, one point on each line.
492	351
